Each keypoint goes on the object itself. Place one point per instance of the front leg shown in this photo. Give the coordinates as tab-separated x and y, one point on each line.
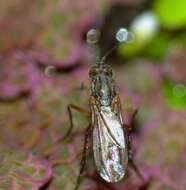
84	154
71	107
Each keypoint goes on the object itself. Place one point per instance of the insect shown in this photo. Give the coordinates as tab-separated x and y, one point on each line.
110	136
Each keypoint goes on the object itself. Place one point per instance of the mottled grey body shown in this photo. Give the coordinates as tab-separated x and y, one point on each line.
109	138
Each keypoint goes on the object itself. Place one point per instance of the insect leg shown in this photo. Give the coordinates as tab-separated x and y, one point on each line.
69	109
128	126
83	159
131	160
128	120
82	87
50	150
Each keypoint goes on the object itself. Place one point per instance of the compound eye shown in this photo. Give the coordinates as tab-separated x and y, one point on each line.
93	72
107	71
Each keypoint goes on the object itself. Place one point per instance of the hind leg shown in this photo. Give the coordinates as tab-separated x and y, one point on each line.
128	129
132	163
83	159
71	107
116	106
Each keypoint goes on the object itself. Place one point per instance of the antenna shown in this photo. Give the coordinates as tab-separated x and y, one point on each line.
107	54
122	35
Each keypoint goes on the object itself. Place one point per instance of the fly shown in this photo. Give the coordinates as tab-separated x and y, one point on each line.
110	136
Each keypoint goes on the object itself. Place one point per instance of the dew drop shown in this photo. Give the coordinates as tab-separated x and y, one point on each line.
93	36
122	35
50	71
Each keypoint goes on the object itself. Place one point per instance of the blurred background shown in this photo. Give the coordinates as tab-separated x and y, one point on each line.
44	65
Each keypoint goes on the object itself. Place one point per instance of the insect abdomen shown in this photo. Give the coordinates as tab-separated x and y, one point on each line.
109	145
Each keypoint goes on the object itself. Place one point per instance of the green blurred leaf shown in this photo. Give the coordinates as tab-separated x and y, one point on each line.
172	14
158	47
180	39
175	94
144	28
130	50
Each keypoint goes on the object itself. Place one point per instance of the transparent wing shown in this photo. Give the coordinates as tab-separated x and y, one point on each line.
109	145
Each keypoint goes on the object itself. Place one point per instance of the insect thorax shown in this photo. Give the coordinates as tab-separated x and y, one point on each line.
102	84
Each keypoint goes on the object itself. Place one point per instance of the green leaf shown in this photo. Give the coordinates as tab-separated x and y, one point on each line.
175	94
172	14
158	47
21	170
144	28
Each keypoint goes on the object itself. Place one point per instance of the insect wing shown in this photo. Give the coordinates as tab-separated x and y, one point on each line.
109	145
